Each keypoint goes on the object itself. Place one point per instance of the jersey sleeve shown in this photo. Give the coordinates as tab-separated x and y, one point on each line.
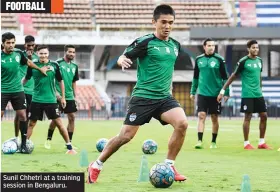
195	78
239	67
137	49
76	77
23	59
28	73
58	75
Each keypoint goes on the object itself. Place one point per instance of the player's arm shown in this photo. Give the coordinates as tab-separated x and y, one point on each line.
239	68
76	78
27	76
132	52
224	76
59	79
29	63
195	80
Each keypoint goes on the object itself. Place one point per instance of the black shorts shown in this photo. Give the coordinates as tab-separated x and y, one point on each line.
28	98
37	111
17	100
208	105
71	107
253	105
141	110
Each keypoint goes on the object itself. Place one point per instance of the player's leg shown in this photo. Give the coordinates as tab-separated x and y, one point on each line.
260	107
202	108
16	126
51	129
53	113
31	125
5	98
19	105
139	112
36	113
70	110
214	110
170	112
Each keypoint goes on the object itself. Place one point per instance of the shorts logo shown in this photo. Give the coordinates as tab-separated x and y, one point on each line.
245	107
132	117
57	111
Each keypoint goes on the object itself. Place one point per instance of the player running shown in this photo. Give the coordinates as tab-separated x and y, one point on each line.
44	98
156	55
11	87
210	74
250	68
70	74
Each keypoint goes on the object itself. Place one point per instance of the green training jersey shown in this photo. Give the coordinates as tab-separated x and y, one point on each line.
250	72
10	73
70	74
29	86
155	65
210	75
44	86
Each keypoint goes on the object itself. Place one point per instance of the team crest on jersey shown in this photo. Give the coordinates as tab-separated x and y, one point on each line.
17	58
132	117
73	70
213	63
176	51
260	65
51	68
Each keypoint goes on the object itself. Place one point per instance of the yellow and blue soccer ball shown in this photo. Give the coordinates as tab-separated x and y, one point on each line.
161	175
149	146
9	147
101	143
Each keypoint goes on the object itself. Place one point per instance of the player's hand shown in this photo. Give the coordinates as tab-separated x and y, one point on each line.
192	97
44	70
219	98
58	97
124	62
63	102
29	54
226	98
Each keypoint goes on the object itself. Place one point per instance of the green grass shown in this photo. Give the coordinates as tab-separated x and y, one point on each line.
207	170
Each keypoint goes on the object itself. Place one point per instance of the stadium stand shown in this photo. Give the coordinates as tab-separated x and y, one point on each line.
9	20
260	14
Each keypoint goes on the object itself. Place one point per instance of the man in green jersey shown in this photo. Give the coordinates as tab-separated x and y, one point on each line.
70	74
11	87
44	97
156	55
209	76
29	86
250	68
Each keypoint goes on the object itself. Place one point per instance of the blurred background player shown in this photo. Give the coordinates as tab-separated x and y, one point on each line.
250	68
11	87
156	54
44	97
70	74
209	76
29	46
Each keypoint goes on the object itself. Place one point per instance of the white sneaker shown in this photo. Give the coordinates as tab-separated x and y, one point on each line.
48	144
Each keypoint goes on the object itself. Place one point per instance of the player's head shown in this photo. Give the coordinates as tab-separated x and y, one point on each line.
209	46
70	52
8	42
43	53
253	48
29	44
163	19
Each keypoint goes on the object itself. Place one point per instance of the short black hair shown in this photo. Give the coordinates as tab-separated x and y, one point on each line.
206	40
7	36
163	10
251	42
42	47
69	46
29	38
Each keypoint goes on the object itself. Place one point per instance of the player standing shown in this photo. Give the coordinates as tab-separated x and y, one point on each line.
250	68
29	86
156	55
11	87
44	98
70	74
209	76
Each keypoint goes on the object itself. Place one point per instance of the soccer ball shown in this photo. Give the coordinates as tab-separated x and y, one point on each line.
17	141
29	145
149	146
9	147
100	144
161	175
